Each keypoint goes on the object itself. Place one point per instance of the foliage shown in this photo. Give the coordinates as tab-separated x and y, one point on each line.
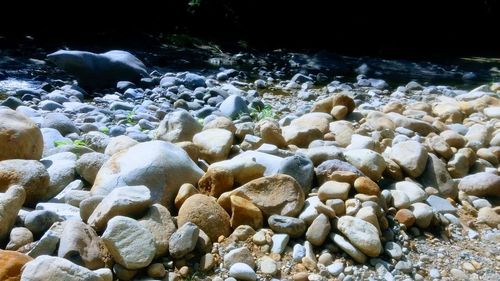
130	118
80	143
262	113
104	130
201	121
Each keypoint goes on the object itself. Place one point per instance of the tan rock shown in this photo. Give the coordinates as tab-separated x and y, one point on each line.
10	203
160	223
405	217
118	144
453	138
206	214
270	132
214	144
244	212
185	191
30	174
11	264
221	122
215	182
339	112
20	138
191	149
278	194
367	186
334	190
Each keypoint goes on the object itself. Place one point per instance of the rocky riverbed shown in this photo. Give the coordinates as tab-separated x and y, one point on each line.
259	170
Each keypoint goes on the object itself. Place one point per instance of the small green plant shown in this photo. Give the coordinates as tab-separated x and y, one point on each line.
104	130
262	113
130	118
61	143
201	121
79	143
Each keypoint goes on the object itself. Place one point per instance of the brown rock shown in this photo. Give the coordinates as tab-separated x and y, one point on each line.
221	122
80	244
185	191
11	264
270	132
405	217
215	182
191	149
278	194
339	112
20	138
206	214
160	223
244	212
366	186
30	174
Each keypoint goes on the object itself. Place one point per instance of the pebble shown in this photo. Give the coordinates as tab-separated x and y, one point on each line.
279	243
243	272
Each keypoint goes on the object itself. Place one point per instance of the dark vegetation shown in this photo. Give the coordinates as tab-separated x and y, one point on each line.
396	29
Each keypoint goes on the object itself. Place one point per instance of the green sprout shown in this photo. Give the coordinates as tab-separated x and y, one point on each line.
79	143
104	130
263	113
130	117
61	143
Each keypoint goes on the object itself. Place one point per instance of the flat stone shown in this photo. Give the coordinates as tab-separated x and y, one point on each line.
289	225
440	205
239	255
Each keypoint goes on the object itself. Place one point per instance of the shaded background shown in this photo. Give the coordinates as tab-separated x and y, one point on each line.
392	29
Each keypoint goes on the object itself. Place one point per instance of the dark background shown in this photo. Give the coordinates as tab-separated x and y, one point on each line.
393	29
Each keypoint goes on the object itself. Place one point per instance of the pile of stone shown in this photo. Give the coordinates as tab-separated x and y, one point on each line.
237	198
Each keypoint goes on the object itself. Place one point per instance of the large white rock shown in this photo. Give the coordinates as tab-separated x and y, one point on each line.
130	244
361	234
161	166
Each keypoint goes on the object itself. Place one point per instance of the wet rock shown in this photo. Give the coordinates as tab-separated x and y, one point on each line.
99	70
